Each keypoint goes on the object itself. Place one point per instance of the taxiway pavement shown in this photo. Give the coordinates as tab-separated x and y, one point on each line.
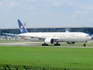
21	44
38	44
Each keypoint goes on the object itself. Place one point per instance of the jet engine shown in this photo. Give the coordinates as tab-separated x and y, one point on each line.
49	41
70	42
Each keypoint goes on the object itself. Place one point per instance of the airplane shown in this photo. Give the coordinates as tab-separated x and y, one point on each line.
55	37
13	36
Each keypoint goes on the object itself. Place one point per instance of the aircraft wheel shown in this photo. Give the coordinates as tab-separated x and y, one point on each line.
44	44
56	44
84	45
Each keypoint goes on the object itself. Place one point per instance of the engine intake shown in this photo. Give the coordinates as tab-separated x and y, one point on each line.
49	41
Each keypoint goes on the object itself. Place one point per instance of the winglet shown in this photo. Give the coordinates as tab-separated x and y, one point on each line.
21	27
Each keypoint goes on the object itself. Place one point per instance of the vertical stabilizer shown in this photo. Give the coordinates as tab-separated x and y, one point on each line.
21	27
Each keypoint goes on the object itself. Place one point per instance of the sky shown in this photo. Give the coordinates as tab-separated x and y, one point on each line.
46	13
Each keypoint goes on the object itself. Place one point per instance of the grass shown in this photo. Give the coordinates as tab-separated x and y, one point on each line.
48	57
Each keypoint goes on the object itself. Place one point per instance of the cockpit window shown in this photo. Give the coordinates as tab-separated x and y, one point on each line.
87	36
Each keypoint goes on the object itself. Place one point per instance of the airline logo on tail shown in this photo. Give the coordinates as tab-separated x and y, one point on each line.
21	27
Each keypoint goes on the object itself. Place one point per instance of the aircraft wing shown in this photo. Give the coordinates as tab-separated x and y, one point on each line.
43	38
9	34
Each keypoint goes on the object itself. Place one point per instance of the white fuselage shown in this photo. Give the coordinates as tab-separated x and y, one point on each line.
60	36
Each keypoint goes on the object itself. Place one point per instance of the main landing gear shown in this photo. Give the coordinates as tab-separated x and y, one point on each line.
44	44
57	44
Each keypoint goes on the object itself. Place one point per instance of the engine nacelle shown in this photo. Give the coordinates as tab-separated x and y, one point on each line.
70	42
49	41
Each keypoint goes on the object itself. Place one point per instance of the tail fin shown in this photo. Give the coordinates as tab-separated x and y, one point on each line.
21	27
